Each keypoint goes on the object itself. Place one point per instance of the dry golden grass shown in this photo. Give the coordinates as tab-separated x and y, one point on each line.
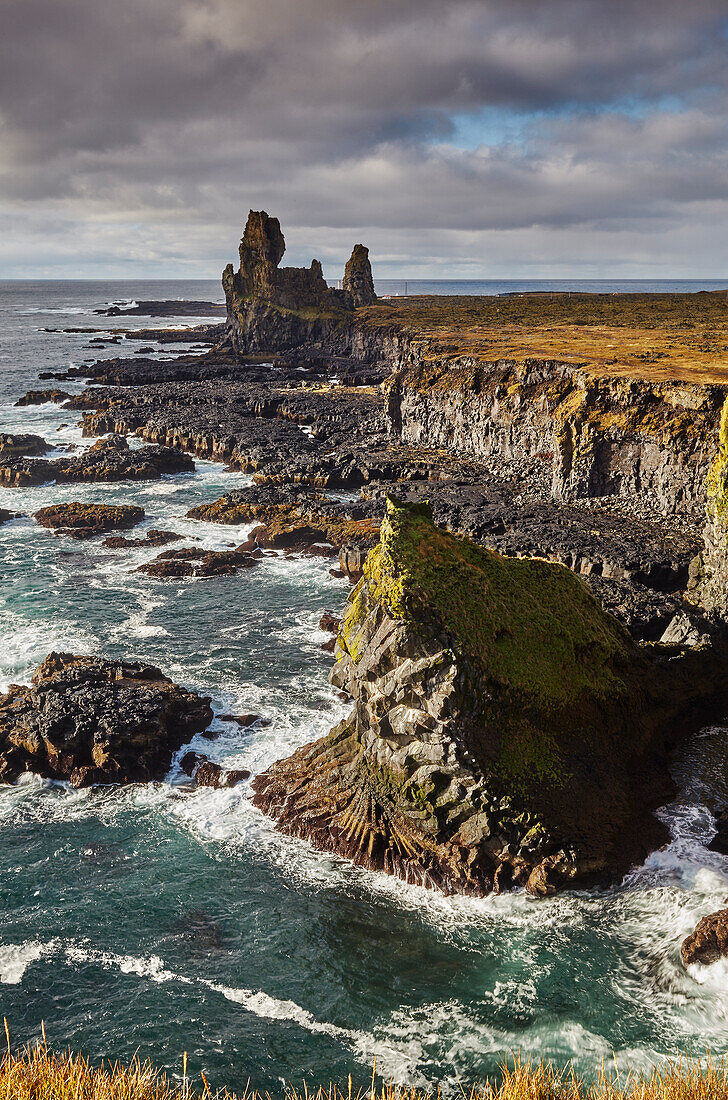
38	1074
659	337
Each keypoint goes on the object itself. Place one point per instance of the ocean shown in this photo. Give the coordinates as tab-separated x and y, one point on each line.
158	920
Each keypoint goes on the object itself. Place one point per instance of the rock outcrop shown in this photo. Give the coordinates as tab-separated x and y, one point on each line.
107	460
358	281
709	941
505	729
274	308
196	562
82	521
92	720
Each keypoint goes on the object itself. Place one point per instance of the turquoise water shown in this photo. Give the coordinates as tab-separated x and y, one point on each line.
162	920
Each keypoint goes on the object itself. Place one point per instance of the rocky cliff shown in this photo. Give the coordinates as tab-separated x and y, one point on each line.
505	729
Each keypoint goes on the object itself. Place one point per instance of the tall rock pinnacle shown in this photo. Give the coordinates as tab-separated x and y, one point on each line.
358	279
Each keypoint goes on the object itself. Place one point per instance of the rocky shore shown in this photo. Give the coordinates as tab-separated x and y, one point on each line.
556	467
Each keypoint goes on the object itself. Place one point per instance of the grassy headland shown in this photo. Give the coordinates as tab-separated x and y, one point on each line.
657	337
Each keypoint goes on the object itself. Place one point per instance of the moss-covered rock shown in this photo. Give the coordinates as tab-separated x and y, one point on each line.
505	728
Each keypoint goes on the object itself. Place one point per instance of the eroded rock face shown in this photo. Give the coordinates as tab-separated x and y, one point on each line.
275	308
709	941
81	521
505	729
93	720
358	281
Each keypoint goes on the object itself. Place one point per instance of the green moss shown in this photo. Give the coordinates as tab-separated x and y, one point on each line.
531	625
717	481
541	647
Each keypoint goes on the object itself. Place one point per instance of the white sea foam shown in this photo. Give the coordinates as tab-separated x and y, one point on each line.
15	958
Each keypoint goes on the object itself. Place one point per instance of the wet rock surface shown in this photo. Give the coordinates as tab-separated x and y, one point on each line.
91	720
184	308
12	446
153	537
80	520
709	941
194	562
107	460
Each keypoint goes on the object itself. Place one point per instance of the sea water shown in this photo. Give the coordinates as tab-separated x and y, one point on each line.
157	919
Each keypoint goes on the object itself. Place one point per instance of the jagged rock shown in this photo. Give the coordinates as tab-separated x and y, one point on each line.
81	521
709	941
153	537
505	729
5	515
93	720
330	623
358	281
198	563
213	775
278	308
687	629
107	460
190	761
12	446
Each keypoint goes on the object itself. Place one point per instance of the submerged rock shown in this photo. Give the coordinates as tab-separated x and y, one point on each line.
93	720
505	729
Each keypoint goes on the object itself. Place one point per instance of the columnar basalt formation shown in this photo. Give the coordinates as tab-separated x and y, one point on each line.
270	307
505	729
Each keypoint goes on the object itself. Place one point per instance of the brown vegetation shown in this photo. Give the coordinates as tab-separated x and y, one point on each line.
660	337
38	1074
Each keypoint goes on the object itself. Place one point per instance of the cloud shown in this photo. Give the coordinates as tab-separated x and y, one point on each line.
139	134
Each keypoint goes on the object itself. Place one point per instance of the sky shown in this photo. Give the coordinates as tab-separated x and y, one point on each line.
456	138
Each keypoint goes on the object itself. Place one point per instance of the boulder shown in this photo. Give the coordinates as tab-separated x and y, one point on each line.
193	562
214	775
93	720
709	941
505	731
81	521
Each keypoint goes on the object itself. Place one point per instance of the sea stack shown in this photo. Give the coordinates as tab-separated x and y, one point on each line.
276	307
505	731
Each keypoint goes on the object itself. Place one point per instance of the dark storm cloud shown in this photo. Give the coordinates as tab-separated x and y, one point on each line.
140	132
